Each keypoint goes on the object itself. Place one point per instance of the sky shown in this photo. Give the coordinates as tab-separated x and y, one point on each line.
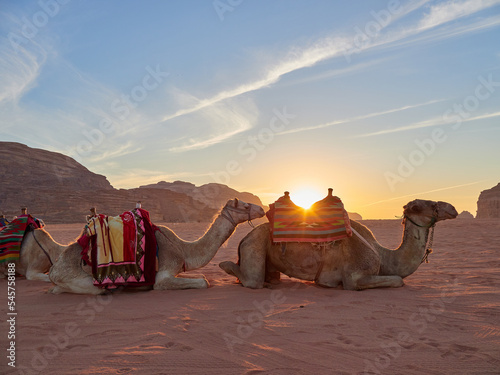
383	101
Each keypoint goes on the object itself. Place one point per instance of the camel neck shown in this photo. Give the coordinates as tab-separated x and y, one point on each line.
408	256
200	252
47	244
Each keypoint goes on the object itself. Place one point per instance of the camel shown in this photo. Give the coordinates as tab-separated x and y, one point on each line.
355	263
174	254
38	251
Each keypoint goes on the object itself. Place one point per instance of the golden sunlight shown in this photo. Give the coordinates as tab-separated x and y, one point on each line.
305	197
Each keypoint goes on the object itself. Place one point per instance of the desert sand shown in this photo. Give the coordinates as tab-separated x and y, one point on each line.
445	320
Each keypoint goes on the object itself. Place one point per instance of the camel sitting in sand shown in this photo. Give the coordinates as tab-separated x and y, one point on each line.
356	264
38	252
174	254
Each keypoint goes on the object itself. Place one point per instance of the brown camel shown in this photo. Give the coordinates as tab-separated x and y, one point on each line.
38	251
356	264
174	254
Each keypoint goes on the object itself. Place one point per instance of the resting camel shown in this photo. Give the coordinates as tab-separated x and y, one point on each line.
174	254
38	251
356	264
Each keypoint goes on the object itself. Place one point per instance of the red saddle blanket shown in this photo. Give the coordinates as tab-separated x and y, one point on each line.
12	235
325	221
121	249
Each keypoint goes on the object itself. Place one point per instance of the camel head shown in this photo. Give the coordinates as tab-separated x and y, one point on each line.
426	213
239	211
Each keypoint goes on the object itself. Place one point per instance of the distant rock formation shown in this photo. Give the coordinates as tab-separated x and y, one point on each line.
212	194
354	216
58	189
465	215
488	204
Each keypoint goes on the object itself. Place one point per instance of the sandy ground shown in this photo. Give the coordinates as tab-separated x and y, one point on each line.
445	320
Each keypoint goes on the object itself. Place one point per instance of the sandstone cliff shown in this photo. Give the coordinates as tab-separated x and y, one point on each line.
23	166
488	204
58	189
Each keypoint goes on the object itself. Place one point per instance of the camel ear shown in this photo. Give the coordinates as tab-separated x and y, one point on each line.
235	202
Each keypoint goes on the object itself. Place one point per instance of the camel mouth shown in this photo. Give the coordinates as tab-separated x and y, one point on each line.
261	212
448	212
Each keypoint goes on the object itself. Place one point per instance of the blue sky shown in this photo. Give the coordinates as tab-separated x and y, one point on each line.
384	101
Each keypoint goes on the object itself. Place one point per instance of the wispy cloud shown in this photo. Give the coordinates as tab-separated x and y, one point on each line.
297	59
121	150
419	194
338	72
20	62
330	47
358	118
222	121
435	121
451	10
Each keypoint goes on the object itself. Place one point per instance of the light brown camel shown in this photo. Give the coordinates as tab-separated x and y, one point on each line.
38	250
349	261
174	254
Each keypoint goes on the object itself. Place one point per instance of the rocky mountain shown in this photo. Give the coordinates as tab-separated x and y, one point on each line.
58	189
465	215
25	166
213	195
488	204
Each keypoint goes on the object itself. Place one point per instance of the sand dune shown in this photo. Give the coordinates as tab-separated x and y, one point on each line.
445	320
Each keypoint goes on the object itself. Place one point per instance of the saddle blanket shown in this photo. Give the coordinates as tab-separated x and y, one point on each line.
325	221
12	235
121	249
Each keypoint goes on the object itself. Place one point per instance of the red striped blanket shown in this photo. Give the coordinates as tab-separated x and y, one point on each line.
12	235
325	221
120	249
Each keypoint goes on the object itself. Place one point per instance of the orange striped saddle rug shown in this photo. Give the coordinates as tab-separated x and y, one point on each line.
325	221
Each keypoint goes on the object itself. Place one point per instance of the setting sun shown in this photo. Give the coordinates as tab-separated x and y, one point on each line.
305	197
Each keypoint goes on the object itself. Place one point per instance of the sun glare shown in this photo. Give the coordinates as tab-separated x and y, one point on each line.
306	197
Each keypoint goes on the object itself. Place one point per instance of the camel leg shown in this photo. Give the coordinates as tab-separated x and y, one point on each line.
273	276
251	270
77	285
373	281
35	275
165	280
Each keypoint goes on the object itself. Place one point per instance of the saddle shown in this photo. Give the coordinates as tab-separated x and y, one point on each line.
121	250
325	221
12	235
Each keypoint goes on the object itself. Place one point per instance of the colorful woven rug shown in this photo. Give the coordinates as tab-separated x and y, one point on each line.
120	249
325	221
12	235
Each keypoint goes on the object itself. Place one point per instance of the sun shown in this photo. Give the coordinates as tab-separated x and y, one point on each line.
305	197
